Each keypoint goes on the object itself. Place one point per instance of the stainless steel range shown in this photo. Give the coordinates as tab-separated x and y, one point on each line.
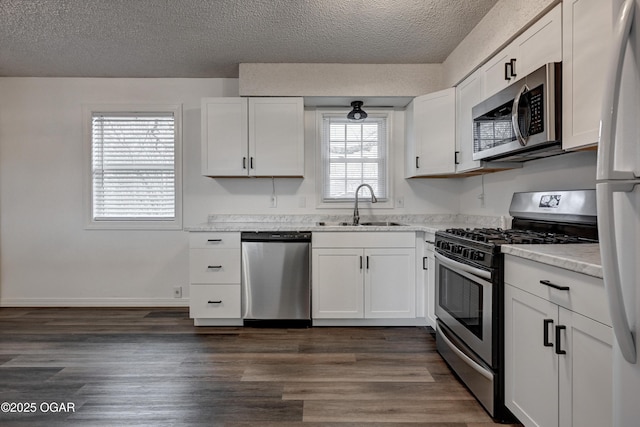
469	283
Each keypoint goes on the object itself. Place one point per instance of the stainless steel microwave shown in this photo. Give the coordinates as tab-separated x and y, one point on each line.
523	121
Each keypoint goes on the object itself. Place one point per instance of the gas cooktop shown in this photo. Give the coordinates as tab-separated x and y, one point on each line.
498	236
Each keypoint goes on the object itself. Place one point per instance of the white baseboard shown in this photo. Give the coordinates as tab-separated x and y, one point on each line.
94	302
369	322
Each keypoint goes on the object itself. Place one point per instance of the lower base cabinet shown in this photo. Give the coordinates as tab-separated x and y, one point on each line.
558	363
363	282
214	278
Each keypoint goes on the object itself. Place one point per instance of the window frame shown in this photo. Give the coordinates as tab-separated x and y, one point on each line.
88	111
320	160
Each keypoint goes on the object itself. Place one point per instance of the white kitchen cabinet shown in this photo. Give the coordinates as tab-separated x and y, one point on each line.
389	283
214	278
538	45
531	369
429	267
369	275
587	37
430	134
338	290
557	347
252	137
469	93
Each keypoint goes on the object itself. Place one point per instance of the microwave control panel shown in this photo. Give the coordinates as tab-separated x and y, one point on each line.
536	105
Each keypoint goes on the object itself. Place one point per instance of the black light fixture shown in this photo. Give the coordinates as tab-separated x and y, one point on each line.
357	114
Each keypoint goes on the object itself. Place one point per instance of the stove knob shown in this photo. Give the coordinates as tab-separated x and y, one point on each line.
472	254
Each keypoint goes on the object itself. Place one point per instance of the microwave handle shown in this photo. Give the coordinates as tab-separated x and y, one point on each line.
514	116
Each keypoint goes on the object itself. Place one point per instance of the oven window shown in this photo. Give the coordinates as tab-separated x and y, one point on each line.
462	299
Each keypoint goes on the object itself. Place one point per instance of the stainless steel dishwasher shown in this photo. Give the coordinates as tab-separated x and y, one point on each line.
276	279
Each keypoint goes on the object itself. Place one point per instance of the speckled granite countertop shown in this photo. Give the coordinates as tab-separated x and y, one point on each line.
426	223
582	258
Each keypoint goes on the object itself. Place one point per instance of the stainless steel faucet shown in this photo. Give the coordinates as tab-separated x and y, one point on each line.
356	214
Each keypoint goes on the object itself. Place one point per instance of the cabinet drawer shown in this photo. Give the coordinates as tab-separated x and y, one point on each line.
202	240
214	301
214	265
586	294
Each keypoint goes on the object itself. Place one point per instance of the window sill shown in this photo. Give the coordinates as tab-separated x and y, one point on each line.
133	225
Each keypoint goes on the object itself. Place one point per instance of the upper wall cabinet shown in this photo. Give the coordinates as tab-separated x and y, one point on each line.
538	45
430	134
587	37
468	94
252	137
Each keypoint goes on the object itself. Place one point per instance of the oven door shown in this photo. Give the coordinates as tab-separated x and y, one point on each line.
464	304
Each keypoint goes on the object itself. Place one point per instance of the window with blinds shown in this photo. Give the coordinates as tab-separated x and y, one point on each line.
354	153
133	159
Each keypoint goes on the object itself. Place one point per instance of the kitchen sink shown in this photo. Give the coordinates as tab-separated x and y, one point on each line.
333	223
380	223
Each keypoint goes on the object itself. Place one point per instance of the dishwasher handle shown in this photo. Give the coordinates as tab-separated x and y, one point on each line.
270	236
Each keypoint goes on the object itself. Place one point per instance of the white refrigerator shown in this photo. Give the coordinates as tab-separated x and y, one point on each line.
618	198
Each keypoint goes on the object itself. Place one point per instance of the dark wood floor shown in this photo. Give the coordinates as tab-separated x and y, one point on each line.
125	366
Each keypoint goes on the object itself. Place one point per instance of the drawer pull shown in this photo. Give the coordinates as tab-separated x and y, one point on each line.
546	341
214	240
214	266
559	330
554	286
214	302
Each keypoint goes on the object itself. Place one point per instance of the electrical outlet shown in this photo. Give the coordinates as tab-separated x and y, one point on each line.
400	202
274	201
177	292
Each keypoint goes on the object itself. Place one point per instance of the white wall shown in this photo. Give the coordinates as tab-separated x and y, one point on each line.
572	171
339	80
46	255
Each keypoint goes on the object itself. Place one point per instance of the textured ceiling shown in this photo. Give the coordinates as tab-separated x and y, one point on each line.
209	38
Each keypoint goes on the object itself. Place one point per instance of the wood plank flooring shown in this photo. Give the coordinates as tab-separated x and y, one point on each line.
152	367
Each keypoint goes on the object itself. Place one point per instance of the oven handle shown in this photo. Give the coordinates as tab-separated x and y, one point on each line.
469	361
464	267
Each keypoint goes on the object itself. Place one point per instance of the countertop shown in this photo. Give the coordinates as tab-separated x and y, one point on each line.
582	258
425	223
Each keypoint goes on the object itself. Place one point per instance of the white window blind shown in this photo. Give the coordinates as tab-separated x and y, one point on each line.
133	166
354	153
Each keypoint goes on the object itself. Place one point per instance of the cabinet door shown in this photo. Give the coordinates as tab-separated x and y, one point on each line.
337	283
276	136
224	136
432	135
389	286
587	36
430	303
586	375
496	74
531	368
468	95
540	44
